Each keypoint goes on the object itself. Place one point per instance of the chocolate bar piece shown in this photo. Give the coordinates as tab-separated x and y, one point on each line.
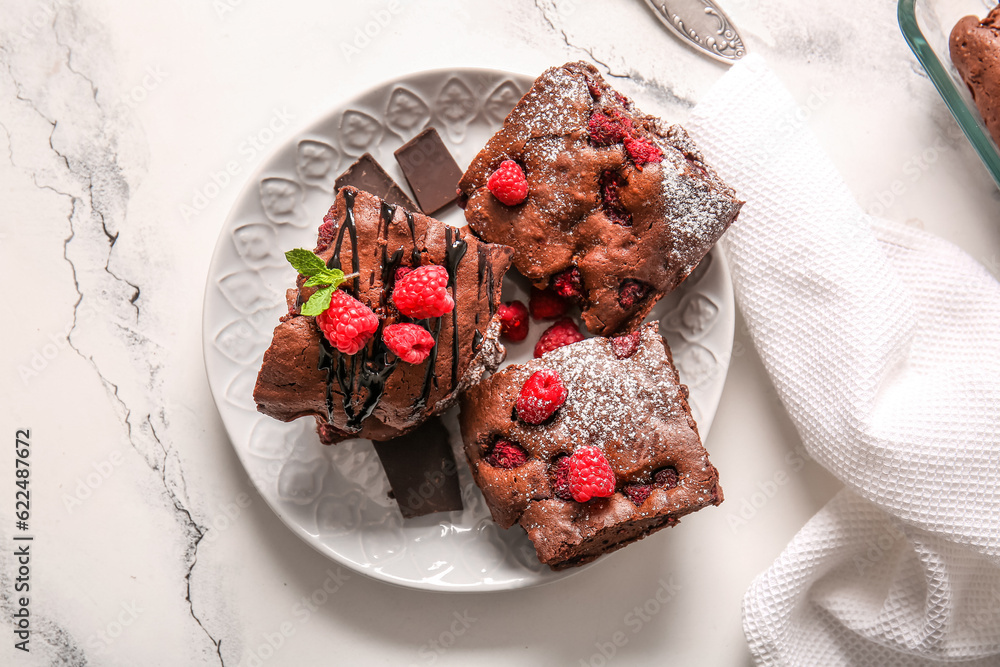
368	175
430	170
421	470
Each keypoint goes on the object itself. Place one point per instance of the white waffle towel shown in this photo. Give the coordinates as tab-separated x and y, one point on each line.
884	345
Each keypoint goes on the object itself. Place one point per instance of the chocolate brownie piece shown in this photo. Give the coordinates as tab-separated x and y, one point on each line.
620	208
624	397
373	394
975	51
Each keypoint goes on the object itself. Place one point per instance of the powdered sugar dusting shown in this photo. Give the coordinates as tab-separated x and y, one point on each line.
549	160
666	215
632	409
699	210
545	106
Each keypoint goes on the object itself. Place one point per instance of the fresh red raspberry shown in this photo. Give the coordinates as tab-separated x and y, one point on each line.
625	346
423	293
545	304
400	272
410	342
540	396
508	183
506	454
561	333
605	130
347	323
642	151
559	477
637	493
513	321
590	474
568	284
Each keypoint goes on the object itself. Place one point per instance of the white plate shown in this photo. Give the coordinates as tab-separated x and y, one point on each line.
336	498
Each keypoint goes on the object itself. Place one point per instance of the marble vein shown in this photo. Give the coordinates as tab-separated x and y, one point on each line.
551	14
97	190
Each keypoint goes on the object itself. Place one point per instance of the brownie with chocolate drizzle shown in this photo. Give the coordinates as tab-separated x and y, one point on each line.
372	394
624	397
620	207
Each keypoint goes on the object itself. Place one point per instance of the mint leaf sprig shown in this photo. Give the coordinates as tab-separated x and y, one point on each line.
312	266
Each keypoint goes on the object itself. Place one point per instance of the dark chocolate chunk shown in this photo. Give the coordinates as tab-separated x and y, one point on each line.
430	170
368	175
421	470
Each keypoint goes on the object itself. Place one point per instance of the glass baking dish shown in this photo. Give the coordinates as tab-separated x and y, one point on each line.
926	25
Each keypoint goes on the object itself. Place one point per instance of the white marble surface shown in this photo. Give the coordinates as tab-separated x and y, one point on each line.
151	547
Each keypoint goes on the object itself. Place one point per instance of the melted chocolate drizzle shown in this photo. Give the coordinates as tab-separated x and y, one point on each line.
415	254
425	392
369	371
364	370
349	226
454	252
389	262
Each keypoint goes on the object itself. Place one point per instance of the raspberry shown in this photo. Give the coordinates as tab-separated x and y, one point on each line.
423	293
590	474
637	493
631	292
605	130
410	342
513	321
400	272
325	235
559	477
561	333
568	284
347	323
545	304
506	454
508	183
642	151
666	478
625	346
541	396
611	184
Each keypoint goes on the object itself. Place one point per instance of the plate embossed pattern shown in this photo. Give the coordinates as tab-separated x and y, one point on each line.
336	498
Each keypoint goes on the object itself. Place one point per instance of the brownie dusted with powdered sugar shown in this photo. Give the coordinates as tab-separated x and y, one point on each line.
620	208
622	397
